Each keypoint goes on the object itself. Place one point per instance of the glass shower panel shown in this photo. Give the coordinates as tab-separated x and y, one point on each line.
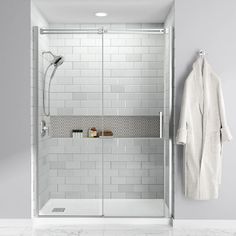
70	168
133	108
168	119
112	84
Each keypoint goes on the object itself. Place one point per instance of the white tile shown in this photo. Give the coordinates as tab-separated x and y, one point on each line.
91	88
152	57
92	73
64	111
57	104
72	42
57	42
73	104
157	41
57	88
121	57
56	180
62	80
73	57
126	50
118	180
91	42
117	88
118	42
110	111
72	88
133	180
64	50
133	57
110	188
91	104
133	103
79	50
73	188
133	42
78	96
134	165
73	165
73	73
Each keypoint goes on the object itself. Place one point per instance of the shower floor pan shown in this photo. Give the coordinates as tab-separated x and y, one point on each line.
112	207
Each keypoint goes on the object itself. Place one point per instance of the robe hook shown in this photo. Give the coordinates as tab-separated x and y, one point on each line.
202	53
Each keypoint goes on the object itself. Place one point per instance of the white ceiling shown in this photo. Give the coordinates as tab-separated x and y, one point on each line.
119	11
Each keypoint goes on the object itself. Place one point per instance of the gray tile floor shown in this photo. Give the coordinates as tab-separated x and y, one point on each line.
111	230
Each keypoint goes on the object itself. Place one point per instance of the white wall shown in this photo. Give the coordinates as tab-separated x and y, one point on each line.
209	25
15	171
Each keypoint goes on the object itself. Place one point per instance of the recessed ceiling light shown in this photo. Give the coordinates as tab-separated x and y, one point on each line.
100	14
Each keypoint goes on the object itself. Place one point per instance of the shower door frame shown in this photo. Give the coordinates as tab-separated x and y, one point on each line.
37	31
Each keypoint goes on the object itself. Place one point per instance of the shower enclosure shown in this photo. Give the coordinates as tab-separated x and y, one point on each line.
117	79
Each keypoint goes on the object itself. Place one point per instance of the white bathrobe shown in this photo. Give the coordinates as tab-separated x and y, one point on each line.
202	129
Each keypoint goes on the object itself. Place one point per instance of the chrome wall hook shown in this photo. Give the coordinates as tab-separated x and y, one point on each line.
202	53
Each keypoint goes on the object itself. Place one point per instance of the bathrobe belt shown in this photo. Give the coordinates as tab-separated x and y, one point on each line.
201	78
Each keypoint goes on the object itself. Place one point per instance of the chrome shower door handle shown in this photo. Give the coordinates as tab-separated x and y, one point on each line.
161	124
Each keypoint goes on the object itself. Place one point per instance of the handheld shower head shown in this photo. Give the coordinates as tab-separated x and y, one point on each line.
57	60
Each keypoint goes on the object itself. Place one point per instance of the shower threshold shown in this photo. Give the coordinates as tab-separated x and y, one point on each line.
112	207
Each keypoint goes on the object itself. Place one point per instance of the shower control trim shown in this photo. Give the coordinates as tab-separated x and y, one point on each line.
44	128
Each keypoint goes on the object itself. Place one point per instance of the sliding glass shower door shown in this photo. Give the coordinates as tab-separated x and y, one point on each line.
133	108
101	150
70	162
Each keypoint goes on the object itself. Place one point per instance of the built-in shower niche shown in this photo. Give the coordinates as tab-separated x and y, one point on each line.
121	126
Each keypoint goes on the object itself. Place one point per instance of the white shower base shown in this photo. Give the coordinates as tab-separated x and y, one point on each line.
112	207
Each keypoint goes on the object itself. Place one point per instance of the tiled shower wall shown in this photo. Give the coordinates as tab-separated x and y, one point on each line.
132	168
133	72
133	86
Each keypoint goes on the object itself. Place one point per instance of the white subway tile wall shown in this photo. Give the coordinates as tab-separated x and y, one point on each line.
133	86
133	168
133	73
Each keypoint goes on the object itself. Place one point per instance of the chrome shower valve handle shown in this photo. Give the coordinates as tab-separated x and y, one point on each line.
44	128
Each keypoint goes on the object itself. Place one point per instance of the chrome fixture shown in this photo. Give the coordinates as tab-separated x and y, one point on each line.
56	62
103	30
43	128
202	53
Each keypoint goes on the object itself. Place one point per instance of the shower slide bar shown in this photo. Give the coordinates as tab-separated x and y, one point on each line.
101	31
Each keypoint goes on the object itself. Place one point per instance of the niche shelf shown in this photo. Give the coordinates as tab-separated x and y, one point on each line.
121	126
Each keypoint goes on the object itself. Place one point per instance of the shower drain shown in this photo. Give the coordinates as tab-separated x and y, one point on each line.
58	209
